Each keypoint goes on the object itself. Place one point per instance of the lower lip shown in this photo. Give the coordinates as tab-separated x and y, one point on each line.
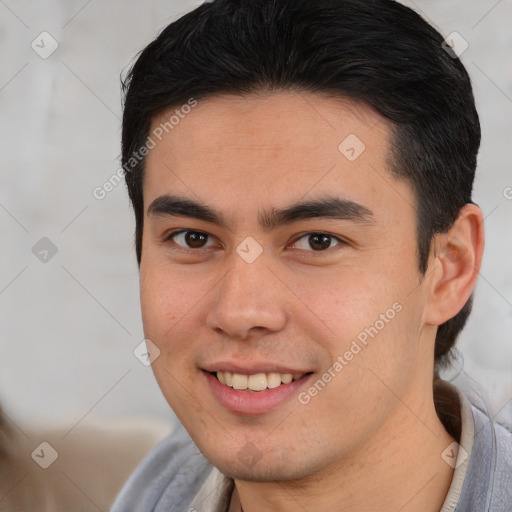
259	402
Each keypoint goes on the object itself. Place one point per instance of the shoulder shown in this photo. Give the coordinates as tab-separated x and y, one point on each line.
502	478
495	436
167	479
493	458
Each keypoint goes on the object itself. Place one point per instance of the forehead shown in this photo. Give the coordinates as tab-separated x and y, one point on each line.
272	120
271	148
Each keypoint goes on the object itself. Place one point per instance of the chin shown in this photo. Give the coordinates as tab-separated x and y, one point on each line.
251	465
259	472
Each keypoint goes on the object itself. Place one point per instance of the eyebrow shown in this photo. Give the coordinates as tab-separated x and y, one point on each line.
324	207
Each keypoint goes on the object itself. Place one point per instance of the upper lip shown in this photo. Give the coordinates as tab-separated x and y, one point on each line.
252	368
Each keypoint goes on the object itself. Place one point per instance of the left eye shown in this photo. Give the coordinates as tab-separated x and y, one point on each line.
317	241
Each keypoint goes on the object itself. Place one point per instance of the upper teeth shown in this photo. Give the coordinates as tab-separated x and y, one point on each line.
256	382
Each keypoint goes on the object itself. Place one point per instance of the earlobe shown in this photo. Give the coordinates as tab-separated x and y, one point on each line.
456	264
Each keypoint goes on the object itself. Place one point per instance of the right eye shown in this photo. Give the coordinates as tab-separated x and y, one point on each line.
189	239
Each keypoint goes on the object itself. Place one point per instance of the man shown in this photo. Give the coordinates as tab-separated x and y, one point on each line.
301	175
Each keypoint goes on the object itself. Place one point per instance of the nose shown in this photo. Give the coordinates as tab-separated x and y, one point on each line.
249	299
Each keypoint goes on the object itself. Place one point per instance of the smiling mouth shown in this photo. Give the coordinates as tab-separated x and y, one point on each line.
256	382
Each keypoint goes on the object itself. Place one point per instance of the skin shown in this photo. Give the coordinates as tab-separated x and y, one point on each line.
369	440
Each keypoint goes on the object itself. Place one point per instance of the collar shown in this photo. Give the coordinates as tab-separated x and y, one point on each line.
463	450
214	495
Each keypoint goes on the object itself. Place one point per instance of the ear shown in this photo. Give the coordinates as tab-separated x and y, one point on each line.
454	265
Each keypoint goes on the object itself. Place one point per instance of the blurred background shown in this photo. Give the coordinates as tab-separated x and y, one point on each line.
69	306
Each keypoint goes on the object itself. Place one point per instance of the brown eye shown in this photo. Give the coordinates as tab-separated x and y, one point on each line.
189	239
317	242
195	239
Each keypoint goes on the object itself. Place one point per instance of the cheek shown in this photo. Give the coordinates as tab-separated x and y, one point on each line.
370	319
340	303
167	297
167	314
173	308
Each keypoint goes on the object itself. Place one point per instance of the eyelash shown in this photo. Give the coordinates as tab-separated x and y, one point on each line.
172	235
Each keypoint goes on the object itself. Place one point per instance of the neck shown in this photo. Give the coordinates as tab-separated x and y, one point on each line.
400	469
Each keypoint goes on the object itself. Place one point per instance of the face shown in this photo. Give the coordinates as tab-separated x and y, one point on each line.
277	246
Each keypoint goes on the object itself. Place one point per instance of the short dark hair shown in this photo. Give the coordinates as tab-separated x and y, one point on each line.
375	51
